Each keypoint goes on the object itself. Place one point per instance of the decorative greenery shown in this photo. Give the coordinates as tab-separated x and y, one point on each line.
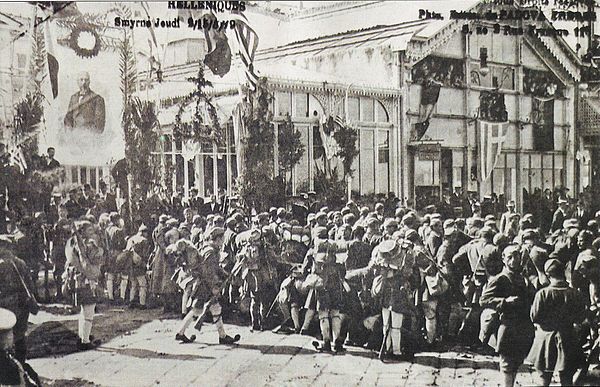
37	61
289	146
330	188
199	129
140	141
346	138
256	185
28	115
76	33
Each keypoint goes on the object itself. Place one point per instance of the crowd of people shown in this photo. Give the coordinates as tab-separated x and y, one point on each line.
384	277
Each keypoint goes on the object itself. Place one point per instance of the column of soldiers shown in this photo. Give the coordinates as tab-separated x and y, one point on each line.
389	279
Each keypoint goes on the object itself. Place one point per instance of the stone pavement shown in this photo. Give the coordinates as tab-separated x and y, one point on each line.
150	356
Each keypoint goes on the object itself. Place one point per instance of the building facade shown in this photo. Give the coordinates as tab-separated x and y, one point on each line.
370	64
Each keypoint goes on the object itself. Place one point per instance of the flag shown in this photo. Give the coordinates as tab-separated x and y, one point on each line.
153	60
326	129
491	138
17	158
218	52
50	82
240	134
247	40
430	93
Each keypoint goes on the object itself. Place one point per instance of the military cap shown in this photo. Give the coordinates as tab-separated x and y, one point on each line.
490	217
500	239
514	215
486	232
280	211
294	222
196	219
411	235
320	214
408	219
143	228
390	222
430	208
346	211
570	223
490	223
528	234
238	217
310	217
426	218
324	209
373	222
477	222
349	218
262	216
538	256
387	250
399	213
436	215
163	218
184	226
172	222
364	210
449	223
250	236
511	249
7	321
554	268
273	210
436	222
527	217
398	234
511	204
215	232
379	206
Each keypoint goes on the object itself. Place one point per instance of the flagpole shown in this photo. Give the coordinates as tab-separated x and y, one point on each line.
346	106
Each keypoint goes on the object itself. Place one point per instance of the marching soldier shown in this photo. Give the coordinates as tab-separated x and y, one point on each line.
115	241
82	273
393	266
510	295
207	289
59	235
140	247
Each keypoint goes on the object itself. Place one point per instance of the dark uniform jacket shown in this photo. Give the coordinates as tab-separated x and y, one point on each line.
555	310
515	333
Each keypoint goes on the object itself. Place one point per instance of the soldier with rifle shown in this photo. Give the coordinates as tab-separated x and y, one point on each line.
207	288
84	258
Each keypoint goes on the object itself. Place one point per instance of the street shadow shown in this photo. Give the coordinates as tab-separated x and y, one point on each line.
276	350
147	354
457	362
52	338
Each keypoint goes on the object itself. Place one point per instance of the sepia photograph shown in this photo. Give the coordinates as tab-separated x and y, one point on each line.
300	193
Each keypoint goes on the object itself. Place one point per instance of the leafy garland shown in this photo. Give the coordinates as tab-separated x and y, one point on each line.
82	28
198	130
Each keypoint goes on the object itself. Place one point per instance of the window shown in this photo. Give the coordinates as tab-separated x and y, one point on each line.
367	110
381	114
21	61
284	103
353	109
543	125
301	104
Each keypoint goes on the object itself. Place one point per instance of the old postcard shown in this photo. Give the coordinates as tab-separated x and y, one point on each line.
299	193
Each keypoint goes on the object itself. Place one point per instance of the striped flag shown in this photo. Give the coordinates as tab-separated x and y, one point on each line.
247	40
326	130
50	83
491	138
17	158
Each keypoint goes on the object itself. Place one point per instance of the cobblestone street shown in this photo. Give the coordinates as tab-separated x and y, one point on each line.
150	356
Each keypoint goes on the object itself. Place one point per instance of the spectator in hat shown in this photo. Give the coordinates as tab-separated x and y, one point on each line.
380	209
581	213
13	371
424	228
435	237
555	311
362	218
586	272
505	218
559	215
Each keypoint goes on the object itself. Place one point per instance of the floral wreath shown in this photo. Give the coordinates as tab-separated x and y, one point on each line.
74	40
